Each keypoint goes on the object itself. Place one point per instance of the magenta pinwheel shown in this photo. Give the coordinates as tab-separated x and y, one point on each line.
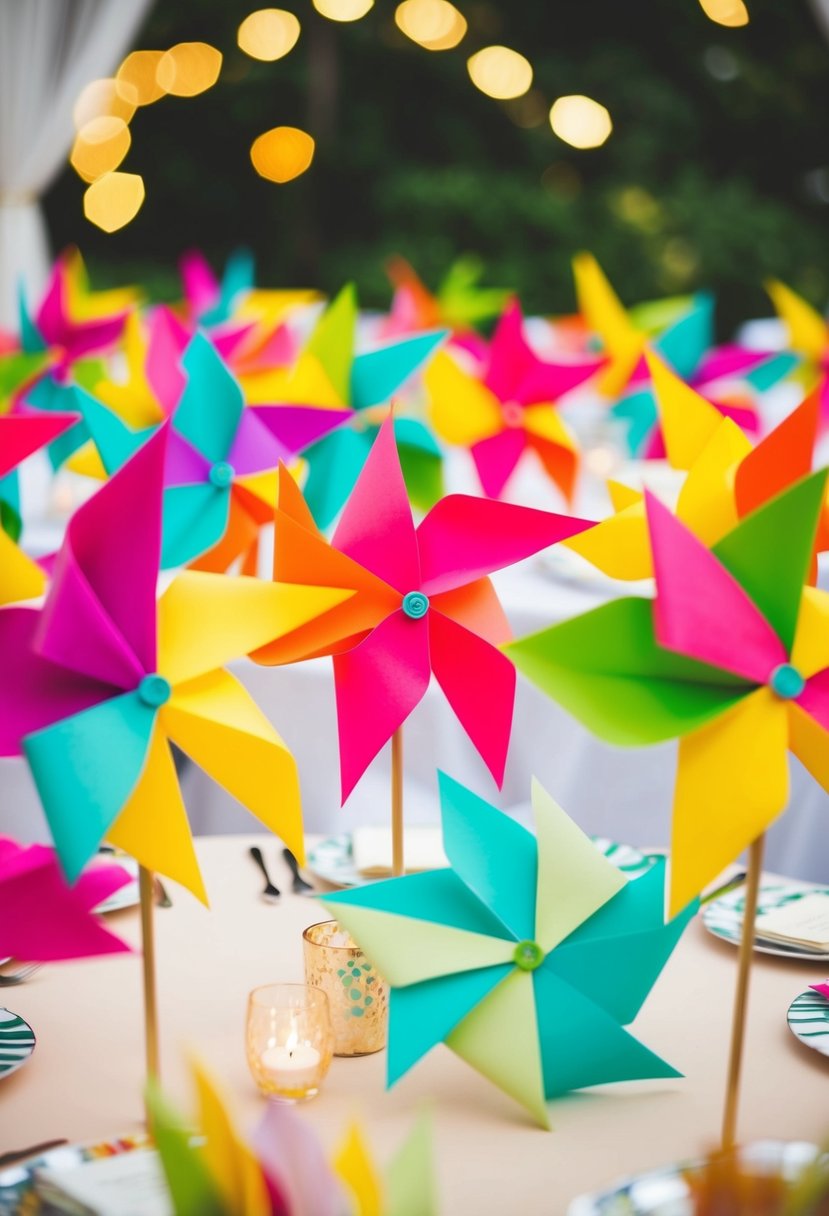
507	408
423	605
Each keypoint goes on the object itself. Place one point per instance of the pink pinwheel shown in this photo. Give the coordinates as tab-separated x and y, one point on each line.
26	432
508	408
423	605
53	322
42	918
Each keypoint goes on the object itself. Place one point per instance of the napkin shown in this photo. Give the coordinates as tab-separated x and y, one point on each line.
422	850
803	923
128	1184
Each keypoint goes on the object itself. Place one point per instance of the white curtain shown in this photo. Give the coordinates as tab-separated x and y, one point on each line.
49	49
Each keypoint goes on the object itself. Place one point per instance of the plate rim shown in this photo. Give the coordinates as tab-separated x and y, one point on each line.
802	888
13	1068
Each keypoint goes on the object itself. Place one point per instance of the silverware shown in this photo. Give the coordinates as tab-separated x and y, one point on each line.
271	893
724	888
299	886
34	1150
20	976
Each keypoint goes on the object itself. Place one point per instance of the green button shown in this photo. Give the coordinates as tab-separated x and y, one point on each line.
154	691
786	682
528	956
415	605
221	474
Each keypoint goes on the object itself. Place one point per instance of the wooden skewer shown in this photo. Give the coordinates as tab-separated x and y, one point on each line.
397	862
146	891
738	1025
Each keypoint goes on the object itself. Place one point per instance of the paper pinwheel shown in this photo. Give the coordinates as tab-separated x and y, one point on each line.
527	957
459	302
21	435
281	1169
808	333
99	680
221	459
409	1187
42	919
423	605
732	658
507	410
329	374
726	477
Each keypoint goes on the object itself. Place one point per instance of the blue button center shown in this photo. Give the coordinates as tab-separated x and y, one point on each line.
528	956
415	605
786	682
221	474
154	691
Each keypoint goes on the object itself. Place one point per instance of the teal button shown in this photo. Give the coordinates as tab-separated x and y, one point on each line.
415	604
155	691
528	956
221	474
786	682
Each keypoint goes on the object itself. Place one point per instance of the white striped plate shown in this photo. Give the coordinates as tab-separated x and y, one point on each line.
17	1042
724	916
808	1019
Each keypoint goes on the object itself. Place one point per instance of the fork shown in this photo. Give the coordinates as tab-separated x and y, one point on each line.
20	976
271	893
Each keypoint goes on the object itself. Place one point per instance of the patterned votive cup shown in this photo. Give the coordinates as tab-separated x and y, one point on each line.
357	996
289	1040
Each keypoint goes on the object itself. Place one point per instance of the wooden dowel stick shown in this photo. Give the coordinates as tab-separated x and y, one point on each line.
738	1025
145	886
397	863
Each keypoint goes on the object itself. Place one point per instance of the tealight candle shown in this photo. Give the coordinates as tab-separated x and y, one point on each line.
293	1066
289	1040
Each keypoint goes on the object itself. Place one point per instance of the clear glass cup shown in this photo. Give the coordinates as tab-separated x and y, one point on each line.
357	996
289	1040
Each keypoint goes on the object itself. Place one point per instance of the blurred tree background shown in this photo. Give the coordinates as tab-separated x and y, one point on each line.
716	173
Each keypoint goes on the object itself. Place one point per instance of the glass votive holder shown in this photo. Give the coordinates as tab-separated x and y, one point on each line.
289	1040
357	996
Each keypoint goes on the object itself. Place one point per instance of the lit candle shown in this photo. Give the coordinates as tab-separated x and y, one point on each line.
293	1066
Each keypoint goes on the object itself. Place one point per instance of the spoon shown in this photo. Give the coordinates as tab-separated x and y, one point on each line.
271	893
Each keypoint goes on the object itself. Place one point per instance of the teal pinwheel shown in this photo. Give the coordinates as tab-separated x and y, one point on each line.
528	956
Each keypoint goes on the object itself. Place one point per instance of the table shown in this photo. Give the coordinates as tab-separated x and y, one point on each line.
84	1080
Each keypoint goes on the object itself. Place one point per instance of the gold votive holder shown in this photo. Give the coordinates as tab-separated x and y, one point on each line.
357	996
289	1040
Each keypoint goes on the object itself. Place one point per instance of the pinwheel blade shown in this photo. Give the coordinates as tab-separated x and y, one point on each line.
377	375
510	1009
153	827
732	782
606	669
214	720
85	768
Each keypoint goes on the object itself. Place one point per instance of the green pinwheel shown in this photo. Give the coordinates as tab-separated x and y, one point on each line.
329	374
527	957
731	658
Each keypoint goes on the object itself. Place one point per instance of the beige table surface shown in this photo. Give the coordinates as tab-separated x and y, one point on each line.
84	1080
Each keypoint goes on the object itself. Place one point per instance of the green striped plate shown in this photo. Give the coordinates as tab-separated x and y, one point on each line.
17	1042
808	1019
724	916
332	860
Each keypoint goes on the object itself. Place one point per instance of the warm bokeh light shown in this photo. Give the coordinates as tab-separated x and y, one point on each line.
580	121
268	34
103	98
343	10
726	12
434	24
113	200
100	146
282	153
189	68
500	72
136	77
